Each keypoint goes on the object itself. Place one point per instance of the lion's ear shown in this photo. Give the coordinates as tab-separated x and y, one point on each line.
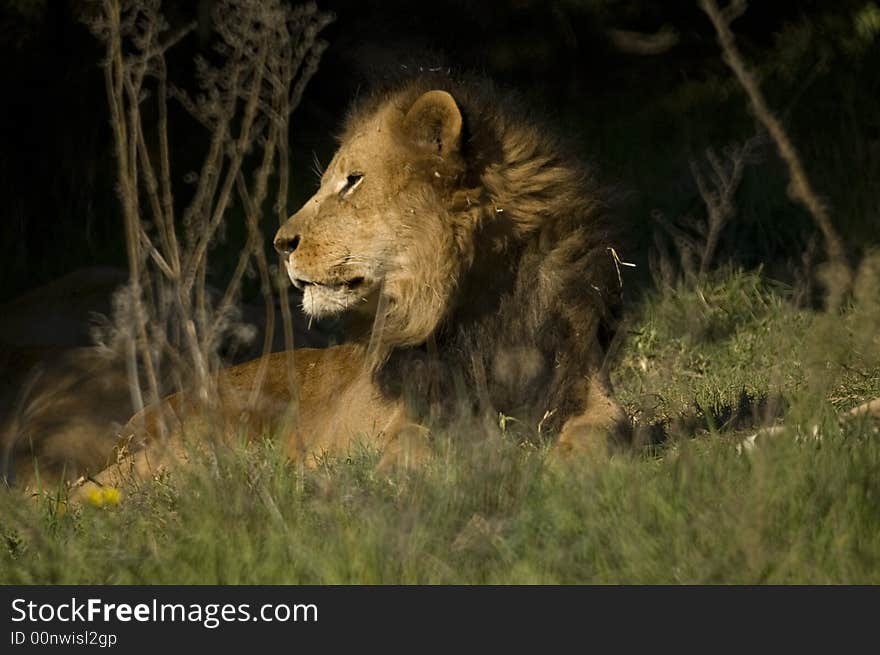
434	122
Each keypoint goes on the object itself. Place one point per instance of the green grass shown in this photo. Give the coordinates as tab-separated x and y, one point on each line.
798	509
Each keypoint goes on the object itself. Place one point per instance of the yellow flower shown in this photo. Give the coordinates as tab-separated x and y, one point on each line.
104	496
112	496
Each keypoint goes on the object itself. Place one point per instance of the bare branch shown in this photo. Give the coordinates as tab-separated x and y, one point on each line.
266	53
800	190
640	43
719	195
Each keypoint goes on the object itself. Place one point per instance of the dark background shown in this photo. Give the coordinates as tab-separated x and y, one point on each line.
639	118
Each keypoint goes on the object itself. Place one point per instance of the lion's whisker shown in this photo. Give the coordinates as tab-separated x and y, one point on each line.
317	168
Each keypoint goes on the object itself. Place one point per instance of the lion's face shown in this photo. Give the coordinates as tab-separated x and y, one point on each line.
378	225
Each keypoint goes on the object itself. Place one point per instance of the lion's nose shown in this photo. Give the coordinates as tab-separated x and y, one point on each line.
286	245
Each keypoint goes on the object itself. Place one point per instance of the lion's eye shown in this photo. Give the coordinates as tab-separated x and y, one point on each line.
352	182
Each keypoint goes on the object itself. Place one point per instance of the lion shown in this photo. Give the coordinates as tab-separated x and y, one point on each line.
475	263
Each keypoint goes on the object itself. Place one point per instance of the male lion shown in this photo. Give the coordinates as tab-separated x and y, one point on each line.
475	262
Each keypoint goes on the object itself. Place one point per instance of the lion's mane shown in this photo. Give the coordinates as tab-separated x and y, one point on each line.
530	307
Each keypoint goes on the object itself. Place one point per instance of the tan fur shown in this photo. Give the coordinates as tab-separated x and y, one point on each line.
68	407
63	399
476	256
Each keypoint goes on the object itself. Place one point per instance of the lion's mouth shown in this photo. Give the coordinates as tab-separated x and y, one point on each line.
328	297
351	284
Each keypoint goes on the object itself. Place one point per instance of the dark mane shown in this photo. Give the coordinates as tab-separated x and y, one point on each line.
541	297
